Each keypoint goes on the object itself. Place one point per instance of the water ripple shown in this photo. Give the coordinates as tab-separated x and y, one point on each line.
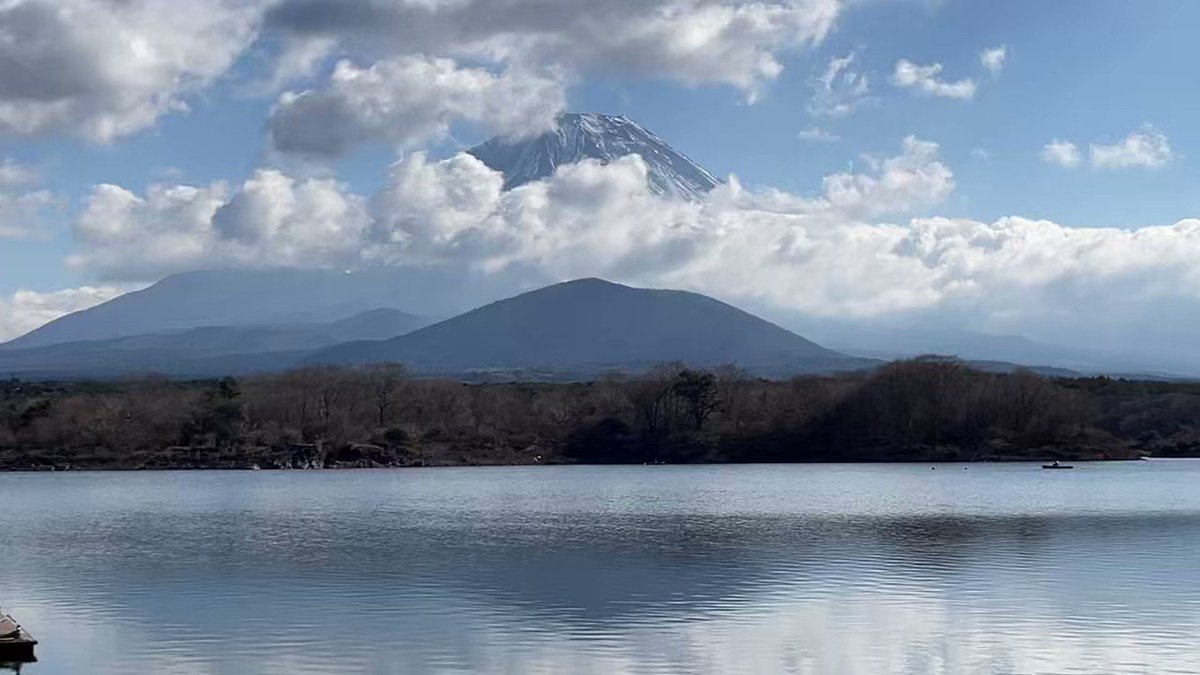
806	569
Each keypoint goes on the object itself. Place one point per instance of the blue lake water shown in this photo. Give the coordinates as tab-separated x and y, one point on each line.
659	569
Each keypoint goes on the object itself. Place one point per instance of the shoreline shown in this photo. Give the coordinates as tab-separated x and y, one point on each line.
924	411
477	465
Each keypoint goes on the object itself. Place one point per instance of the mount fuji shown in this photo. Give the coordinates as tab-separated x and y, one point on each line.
602	137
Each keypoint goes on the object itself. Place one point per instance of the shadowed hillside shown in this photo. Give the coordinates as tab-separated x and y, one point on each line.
211	351
592	325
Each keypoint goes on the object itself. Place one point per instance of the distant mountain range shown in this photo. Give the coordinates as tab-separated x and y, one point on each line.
573	330
272	297
600	137
206	351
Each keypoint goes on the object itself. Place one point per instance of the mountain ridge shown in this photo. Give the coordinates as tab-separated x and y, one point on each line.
204	351
283	296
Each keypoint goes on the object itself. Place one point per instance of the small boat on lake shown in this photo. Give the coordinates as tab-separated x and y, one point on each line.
1057	465
16	644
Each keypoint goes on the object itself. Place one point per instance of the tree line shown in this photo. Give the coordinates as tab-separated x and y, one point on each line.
922	409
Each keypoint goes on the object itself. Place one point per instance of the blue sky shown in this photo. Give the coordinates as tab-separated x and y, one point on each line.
1089	71
1094	73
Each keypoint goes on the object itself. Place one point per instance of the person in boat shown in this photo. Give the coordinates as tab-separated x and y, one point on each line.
1055	463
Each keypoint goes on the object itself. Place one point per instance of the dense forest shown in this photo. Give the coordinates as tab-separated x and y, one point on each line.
925	409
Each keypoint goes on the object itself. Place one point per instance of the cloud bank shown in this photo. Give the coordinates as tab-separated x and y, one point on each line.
833	254
506	64
105	69
694	41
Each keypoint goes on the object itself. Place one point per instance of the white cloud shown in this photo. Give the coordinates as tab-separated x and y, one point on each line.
429	211
901	183
994	59
271	220
818	135
909	75
102	69
1146	147
26	310
408	100
1063	153
838	91
981	154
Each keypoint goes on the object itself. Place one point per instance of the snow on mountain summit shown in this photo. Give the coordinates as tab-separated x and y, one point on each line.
602	137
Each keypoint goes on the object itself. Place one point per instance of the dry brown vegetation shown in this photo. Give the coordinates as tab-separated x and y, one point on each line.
922	409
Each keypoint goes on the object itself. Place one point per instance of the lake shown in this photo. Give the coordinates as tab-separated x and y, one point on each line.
1000	568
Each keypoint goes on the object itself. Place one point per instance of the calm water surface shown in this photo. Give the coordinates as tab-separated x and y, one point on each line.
726	569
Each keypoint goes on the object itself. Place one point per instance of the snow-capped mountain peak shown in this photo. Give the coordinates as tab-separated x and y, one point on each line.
601	137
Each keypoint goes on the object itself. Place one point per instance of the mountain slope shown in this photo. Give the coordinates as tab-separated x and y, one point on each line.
590	325
210	350
602	137
282	297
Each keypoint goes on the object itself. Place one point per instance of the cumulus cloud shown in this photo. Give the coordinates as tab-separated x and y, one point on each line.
1063	153
900	184
408	100
521	55
103	69
26	310
1146	147
818	135
909	75
993	59
106	68
695	41
839	90
270	220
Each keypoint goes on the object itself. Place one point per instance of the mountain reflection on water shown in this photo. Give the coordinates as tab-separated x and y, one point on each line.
806	569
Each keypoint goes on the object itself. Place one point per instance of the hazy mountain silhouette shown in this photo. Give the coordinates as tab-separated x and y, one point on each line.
206	351
273	297
590	325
